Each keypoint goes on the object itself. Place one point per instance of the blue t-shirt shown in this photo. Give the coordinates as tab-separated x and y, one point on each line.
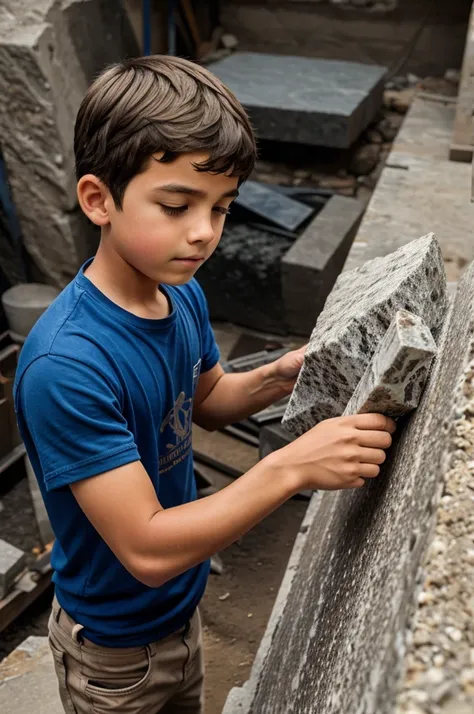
96	388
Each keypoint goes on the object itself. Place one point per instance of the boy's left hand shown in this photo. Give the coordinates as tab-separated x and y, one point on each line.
287	368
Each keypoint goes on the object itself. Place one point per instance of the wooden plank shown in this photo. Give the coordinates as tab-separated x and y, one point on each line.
462	147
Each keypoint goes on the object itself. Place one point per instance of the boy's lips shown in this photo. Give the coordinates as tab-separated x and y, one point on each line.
191	259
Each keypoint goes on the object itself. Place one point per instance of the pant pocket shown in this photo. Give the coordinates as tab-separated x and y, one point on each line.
61	673
116	674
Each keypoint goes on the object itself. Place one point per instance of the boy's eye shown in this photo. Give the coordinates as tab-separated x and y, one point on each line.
220	209
173	210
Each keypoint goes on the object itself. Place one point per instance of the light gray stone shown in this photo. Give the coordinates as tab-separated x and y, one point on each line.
46	62
12	562
304	100
28	682
393	382
311	266
357	314
336	639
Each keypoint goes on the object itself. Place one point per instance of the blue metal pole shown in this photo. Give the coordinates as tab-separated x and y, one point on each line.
171	27
146	19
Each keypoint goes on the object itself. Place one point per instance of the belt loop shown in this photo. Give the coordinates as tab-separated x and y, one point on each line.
75	633
152	648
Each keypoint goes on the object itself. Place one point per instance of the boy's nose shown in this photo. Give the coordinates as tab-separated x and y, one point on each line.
201	232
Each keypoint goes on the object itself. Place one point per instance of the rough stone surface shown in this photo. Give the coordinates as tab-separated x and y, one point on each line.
311	266
356	316
338	631
439	663
393	382
46	62
28	682
12	562
242	280
304	100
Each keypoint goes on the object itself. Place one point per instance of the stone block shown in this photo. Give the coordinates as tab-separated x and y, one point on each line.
393	382
272	438
336	639
242	280
356	316
312	264
12	562
258	201
304	100
46	62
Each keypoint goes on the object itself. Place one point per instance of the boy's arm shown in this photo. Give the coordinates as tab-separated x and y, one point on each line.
222	398
157	544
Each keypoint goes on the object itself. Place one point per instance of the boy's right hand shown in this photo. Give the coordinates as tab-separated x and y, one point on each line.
337	453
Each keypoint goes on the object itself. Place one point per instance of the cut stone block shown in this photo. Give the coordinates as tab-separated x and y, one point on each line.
267	203
356	316
46	62
304	100
393	382
313	263
272	438
337	636
12	562
242	280
462	146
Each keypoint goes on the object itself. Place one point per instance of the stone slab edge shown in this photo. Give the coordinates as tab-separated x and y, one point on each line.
239	700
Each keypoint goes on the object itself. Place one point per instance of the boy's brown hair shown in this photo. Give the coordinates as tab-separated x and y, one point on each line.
151	104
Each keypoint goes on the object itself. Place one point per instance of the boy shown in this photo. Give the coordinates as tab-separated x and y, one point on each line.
113	374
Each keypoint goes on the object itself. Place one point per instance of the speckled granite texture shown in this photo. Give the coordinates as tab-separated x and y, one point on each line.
393	382
356	316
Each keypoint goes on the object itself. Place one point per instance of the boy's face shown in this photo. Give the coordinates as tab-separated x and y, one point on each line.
171	219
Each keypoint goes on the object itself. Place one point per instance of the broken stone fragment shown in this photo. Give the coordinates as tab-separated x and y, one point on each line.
356	316
394	380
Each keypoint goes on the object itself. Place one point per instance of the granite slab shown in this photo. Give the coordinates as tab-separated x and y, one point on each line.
304	100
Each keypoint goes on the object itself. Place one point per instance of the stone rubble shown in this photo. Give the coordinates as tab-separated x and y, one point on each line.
439	677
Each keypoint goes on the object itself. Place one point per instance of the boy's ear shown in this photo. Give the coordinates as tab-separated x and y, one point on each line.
94	199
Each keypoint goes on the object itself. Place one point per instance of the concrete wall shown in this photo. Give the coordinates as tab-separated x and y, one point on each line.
355	30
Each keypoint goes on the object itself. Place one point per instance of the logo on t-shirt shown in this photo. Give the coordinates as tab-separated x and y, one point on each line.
177	428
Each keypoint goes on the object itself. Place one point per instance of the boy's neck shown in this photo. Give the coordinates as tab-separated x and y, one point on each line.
125	286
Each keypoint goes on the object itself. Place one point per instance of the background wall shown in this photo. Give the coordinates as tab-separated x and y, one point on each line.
428	34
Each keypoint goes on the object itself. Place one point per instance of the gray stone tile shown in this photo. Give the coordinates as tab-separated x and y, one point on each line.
314	261
304	100
356	316
265	202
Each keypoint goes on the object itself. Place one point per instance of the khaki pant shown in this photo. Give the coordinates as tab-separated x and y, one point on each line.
165	676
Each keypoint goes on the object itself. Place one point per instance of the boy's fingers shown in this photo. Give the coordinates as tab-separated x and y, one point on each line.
372	456
374	439
372	422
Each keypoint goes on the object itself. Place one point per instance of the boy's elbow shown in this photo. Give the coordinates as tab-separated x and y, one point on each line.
149	572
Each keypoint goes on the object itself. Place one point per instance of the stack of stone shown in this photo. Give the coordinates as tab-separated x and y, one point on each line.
49	52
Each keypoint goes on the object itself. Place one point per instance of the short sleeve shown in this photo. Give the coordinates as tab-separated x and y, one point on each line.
72	416
210	350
